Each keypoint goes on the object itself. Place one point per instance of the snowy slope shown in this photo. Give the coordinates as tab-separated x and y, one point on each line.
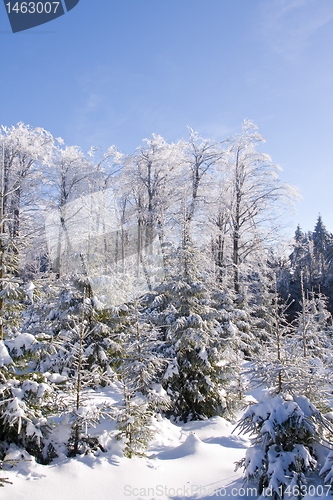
183	461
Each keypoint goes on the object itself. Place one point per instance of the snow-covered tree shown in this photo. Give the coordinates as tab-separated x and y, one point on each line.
66	180
26	400
255	197
287	431
321	240
150	180
138	369
134	420
286	423
197	372
23	150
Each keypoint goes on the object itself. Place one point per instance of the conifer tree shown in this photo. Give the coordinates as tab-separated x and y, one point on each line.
26	401
286	424
139	370
287	430
134	419
197	373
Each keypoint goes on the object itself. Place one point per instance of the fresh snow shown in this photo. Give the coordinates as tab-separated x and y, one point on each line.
20	342
192	461
5	359
181	459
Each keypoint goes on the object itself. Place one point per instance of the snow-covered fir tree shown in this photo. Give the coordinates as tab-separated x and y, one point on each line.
287	431
26	401
134	419
140	366
287	425
197	377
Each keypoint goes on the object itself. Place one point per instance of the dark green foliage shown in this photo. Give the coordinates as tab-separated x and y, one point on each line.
197	378
312	256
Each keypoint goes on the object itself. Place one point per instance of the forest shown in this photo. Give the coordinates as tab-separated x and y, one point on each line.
166	274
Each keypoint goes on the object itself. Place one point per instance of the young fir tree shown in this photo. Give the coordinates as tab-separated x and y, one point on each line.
84	414
50	319
287	426
234	339
311	339
198	372
287	429
79	375
138	374
26	402
71	345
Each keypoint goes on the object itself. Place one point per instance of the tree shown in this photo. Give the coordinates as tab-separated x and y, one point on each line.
312	258
134	420
255	197
23	150
283	453
202	155
151	176
66	180
199	376
321	237
286	421
26	400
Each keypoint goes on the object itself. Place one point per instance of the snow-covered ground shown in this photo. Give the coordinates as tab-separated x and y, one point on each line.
191	460
185	461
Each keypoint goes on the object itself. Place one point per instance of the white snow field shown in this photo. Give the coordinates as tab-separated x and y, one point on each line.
191	460
185	461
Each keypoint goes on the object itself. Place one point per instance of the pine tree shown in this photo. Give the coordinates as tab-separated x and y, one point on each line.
321	239
142	349
141	364
287	430
134	419
26	401
286	424
197	375
84	414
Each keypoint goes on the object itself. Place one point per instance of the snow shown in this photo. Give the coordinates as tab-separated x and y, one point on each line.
55	377
29	290
189	460
20	342
193	460
171	370
5	359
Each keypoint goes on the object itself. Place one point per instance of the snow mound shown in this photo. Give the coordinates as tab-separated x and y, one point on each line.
5	359
191	446
20	343
56	378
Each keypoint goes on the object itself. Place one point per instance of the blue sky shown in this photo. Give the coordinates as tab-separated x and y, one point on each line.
114	72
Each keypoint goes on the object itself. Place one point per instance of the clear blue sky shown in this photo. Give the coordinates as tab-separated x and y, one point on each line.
114	72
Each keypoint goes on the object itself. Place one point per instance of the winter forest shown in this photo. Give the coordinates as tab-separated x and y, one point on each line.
156	289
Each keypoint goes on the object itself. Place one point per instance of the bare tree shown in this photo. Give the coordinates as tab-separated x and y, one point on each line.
23	151
67	179
255	198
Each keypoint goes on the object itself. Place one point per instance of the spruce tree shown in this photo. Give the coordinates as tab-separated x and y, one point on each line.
140	367
286	424
198	373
